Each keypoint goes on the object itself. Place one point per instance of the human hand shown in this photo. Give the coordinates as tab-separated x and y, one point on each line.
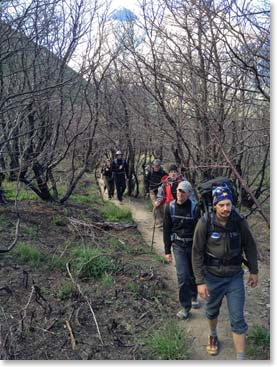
169	258
202	290
252	280
156	204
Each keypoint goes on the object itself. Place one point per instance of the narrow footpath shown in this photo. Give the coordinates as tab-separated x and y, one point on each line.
197	325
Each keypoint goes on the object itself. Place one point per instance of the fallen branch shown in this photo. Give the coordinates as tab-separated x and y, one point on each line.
86	299
76	222
11	246
73	341
118	226
115	225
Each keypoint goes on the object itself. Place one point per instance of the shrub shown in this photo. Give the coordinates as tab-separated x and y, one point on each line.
258	343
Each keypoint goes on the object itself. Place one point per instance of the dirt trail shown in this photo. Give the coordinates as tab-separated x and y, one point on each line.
257	304
197	325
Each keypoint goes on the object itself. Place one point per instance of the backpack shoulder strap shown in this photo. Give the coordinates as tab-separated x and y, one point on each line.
208	219
172	209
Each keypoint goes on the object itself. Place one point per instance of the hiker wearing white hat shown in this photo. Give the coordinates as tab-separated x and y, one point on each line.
179	222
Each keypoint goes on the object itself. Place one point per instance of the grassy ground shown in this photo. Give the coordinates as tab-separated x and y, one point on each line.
60	274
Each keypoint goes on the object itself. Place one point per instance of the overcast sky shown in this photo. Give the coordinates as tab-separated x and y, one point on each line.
129	4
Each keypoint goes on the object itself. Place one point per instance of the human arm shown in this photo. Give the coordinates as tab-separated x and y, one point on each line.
160	196
167	231
198	250
147	182
249	247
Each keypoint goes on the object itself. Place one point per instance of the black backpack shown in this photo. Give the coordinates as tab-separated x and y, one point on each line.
205	190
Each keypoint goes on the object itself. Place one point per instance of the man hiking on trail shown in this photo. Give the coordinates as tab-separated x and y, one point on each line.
107	176
179	223
168	190
152	181
120	173
220	239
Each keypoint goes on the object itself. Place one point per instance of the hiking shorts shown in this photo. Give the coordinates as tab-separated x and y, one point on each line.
233	288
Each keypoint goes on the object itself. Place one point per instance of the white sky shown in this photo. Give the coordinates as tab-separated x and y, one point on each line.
129	4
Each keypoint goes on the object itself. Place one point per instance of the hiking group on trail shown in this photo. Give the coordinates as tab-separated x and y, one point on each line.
115	174
209	239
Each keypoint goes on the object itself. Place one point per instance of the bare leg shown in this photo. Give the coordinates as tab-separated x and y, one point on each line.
213	325
239	343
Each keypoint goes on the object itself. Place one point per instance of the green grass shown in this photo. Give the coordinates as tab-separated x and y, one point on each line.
114	214
3	222
30	231
59	220
24	193
107	281
258	343
91	263
169	342
129	249
28	254
133	287
66	291
83	199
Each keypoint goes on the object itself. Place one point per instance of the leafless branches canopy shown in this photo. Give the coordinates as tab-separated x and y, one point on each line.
185	81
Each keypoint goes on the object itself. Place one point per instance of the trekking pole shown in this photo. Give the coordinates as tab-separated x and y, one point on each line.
154	227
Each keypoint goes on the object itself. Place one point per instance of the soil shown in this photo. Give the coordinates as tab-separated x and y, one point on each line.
98	320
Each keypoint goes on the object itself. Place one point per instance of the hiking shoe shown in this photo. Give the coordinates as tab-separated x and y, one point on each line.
195	304
183	314
212	347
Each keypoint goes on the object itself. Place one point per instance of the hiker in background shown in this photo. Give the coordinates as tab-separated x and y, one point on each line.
107	176
183	174
167	191
152	181
179	224
120	174
218	244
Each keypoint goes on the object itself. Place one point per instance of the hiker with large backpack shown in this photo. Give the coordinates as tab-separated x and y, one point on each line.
221	239
120	173
180	218
152	181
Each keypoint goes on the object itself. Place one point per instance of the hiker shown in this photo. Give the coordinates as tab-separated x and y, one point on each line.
152	181
167	191
179	223
120	174
220	239
183	173
107	176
